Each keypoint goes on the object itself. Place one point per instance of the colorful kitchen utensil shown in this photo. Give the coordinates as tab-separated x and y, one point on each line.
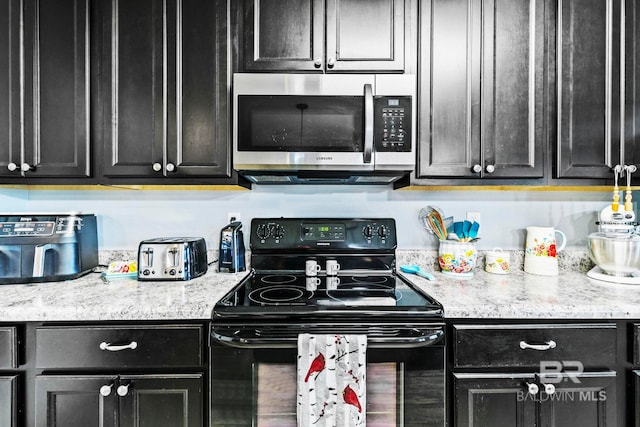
473	231
414	269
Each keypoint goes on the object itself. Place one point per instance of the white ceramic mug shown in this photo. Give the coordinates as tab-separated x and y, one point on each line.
497	261
332	283
311	283
332	267
541	250
311	267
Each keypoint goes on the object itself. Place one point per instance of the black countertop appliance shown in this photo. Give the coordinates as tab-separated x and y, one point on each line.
47	247
231	258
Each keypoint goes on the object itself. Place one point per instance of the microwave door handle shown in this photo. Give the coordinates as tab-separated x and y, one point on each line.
368	123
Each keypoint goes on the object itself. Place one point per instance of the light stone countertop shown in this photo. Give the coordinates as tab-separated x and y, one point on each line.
518	295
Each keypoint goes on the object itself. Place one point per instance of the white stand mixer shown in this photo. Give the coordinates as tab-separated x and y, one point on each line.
617	232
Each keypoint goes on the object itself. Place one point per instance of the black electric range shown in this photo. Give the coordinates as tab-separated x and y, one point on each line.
366	287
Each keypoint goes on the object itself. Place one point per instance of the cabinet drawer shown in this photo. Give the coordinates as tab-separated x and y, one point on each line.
636	343
119	346
8	347
594	345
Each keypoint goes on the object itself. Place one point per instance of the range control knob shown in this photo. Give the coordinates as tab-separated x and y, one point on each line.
383	231
172	272
146	272
262	231
367	231
278	231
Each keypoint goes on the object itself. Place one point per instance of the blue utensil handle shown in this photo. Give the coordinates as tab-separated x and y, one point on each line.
426	275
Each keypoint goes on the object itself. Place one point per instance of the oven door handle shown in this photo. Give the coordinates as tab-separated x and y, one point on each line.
250	338
368	123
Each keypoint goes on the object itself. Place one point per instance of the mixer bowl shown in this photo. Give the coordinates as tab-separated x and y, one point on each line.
617	254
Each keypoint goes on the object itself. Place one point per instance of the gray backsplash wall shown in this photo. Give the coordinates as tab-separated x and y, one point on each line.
128	216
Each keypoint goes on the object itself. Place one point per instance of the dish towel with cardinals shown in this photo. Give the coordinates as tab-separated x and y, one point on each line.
331	380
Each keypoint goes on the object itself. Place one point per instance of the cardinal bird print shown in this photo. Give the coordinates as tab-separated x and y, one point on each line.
351	398
331	380
317	365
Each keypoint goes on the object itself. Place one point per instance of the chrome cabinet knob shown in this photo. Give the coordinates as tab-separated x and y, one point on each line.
12	166
476	168
26	167
170	167
490	168
317	62
331	62
105	390
123	390
533	388
157	167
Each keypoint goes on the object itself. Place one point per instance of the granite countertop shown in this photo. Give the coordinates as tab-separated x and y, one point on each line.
518	295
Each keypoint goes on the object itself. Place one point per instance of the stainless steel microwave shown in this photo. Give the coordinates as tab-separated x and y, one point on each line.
324	128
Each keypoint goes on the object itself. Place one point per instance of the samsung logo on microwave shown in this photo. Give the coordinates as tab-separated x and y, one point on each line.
324	158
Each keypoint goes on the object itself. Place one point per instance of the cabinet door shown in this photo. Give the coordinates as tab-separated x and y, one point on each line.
10	109
588	88
56	88
449	88
44	88
365	35
494	400
481	89
280	35
75	401
512	89
134	92
161	400
198	136
589	402
165	89
636	397
8	401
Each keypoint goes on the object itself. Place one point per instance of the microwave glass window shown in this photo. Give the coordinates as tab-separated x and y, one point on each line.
301	123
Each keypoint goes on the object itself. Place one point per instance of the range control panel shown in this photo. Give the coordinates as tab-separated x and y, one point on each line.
309	234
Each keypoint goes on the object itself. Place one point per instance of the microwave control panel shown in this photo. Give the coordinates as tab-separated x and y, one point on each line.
392	123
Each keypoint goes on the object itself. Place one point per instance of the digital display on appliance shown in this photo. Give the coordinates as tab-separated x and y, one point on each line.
324	232
394	102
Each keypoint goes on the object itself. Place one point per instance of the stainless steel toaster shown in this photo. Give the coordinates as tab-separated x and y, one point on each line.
172	258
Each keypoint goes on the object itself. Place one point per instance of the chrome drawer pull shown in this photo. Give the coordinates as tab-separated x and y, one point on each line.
107	346
541	347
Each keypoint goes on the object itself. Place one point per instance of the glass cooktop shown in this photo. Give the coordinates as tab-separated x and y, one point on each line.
272	295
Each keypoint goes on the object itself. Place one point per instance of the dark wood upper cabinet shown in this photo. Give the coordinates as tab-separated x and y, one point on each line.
481	87
588	83
165	89
10	109
44	88
322	35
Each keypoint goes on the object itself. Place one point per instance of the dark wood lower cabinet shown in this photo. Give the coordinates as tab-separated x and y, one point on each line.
493	401
505	400
127	400
9	401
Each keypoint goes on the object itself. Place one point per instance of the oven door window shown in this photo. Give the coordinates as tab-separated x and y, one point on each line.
258	387
291	123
